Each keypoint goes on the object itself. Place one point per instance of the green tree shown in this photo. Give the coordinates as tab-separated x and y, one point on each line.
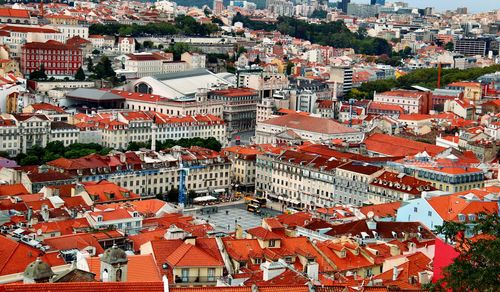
477	267
178	49
135	146
90	64
321	14
289	67
39	74
173	195
190	197
148	44
104	68
96	52
80	75
30	160
449	46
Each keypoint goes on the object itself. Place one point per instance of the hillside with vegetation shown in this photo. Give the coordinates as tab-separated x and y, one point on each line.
335	34
185	25
421	77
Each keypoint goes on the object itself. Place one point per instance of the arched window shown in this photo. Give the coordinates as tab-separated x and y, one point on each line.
119	275
143	88
105	275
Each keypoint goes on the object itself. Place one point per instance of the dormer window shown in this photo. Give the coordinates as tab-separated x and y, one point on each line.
343	253
461	217
135	214
99	218
472	217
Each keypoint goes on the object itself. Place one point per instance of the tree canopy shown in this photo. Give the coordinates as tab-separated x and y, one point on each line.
421	77
39	74
104	68
335	34
183	25
477	267
54	150
80	75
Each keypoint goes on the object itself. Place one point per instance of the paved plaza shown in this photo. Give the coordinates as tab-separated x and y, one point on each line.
225	219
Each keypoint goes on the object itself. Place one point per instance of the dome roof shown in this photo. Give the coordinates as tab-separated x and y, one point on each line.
38	270
114	255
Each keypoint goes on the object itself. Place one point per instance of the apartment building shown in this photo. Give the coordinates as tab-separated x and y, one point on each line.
150	172
447	174
194	60
57	58
343	76
8	136
471	46
143	126
33	129
143	64
240	107
14	37
352	182
412	102
297	179
64	132
126	45
243	167
462	207
265	82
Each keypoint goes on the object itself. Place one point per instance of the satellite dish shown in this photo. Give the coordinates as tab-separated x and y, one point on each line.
370	215
39	232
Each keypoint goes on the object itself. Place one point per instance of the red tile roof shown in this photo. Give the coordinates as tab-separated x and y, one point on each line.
104	191
12	190
79	241
353	259
188	255
15	256
141	268
449	207
235	92
46	107
382	210
262	233
146	236
464	84
243	249
383	144
138	287
309	123
17	13
52	45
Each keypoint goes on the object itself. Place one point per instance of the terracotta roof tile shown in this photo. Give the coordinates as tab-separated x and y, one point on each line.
141	268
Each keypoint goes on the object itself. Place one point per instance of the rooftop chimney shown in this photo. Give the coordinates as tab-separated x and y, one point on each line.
313	271
371	224
271	270
395	273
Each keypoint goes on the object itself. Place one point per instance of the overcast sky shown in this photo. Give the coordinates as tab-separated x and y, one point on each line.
441	5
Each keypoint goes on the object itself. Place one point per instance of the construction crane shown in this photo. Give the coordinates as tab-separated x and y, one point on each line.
183	173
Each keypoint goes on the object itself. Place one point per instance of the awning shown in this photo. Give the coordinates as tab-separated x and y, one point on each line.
295	202
219	190
281	198
204	199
